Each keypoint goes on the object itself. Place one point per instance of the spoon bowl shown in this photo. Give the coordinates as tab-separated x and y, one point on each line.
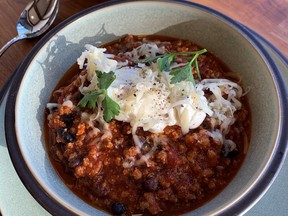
35	19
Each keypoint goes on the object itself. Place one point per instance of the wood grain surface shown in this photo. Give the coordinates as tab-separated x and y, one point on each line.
267	17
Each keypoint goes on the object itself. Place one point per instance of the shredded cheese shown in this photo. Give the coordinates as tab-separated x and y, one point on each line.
148	100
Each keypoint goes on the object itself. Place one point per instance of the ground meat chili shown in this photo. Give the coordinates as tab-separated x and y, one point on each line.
183	172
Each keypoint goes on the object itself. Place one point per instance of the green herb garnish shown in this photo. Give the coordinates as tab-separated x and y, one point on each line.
90	100
180	73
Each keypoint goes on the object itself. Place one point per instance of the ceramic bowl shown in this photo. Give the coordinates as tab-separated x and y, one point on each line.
227	39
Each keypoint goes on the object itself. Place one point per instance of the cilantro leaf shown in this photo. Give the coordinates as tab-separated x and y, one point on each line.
89	100
105	79
165	62
180	73
177	75
111	108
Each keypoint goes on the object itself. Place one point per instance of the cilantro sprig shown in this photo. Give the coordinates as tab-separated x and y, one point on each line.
178	74
90	100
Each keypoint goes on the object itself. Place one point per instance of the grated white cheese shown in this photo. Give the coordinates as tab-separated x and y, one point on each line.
96	60
51	106
68	103
145	50
148	100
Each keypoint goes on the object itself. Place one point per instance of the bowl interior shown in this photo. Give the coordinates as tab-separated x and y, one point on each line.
163	18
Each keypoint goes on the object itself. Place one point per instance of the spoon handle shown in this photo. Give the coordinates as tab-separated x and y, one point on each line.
8	44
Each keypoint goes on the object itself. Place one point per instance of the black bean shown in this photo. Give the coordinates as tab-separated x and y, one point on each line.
74	162
150	184
67	119
66	135
118	208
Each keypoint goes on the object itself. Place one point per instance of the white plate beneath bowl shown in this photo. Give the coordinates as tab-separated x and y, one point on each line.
16	200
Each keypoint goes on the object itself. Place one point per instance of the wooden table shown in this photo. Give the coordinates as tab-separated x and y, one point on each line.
267	17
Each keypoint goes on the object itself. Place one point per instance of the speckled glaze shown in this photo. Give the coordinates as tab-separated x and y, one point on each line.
228	40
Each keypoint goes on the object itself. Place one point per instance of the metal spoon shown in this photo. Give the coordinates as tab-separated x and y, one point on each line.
36	18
